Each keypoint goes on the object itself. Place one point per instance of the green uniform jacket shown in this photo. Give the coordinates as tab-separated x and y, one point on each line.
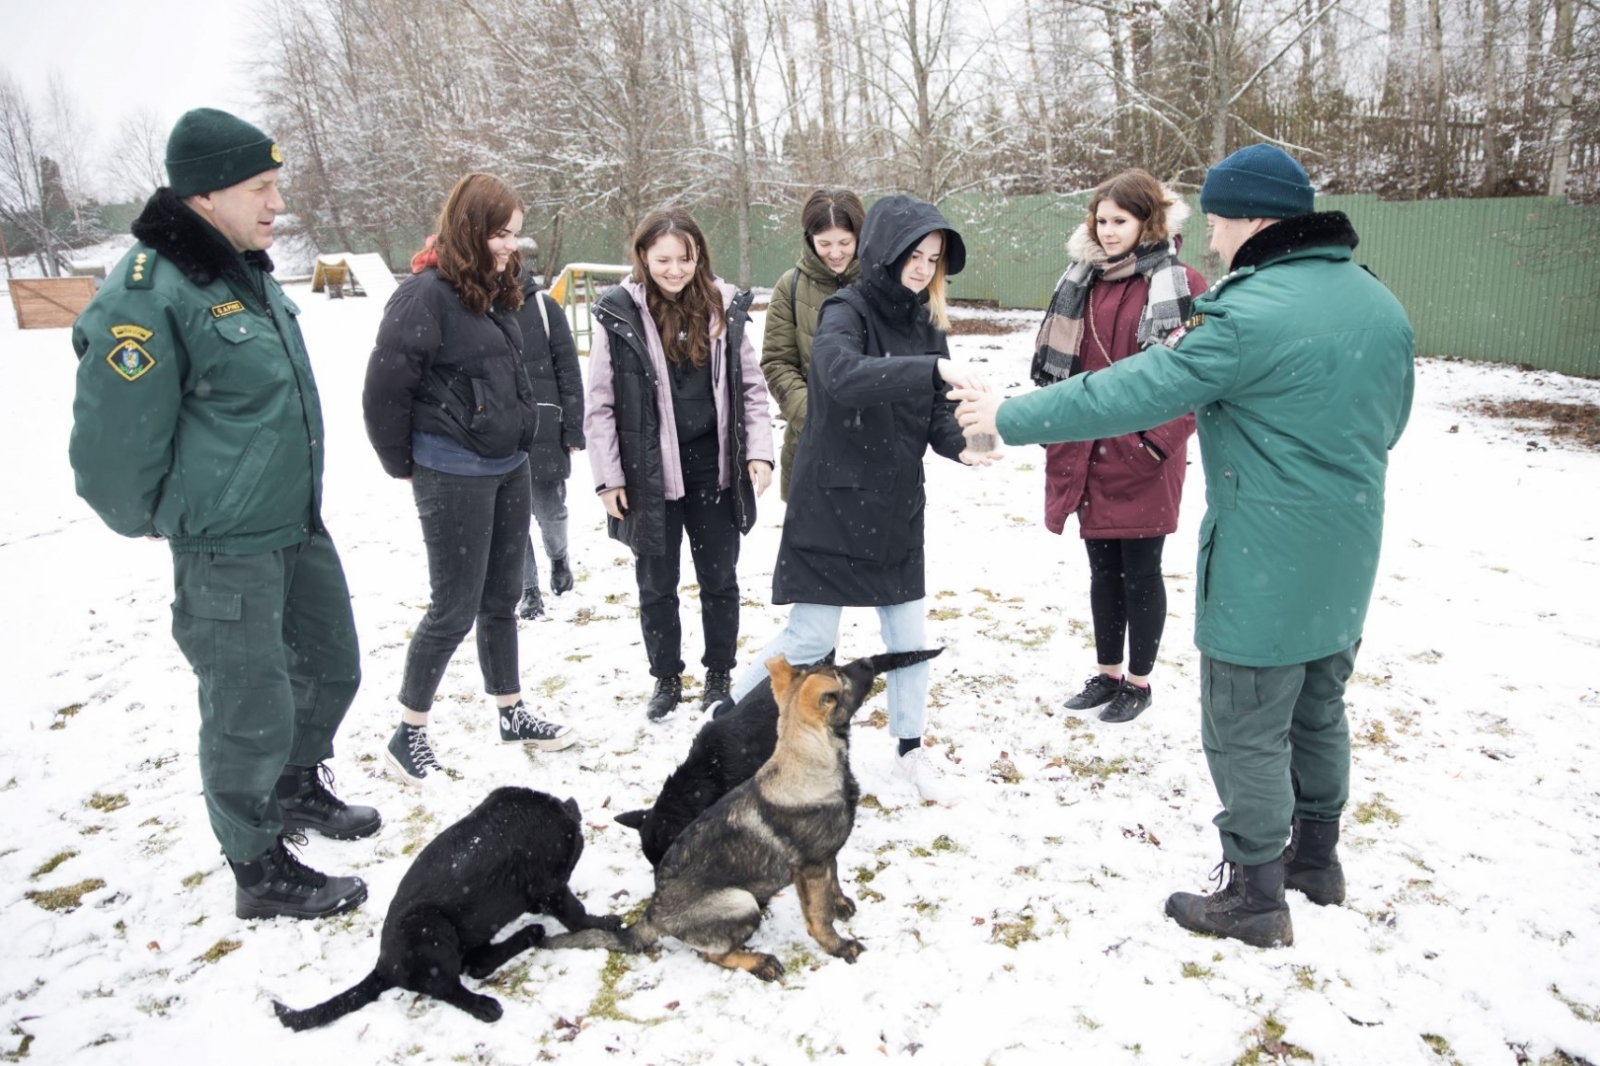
786	342
1299	365
196	416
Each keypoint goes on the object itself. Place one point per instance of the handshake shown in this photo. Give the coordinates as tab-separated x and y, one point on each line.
976	412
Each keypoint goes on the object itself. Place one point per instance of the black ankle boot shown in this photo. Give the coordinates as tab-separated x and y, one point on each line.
1311	862
560	576
277	884
532	605
1249	908
306	801
719	685
669	690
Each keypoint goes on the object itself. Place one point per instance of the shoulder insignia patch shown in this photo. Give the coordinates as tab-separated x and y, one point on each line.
1194	321
138	333
224	310
141	269
130	360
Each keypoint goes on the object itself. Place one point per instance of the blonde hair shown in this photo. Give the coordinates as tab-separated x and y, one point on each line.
938	302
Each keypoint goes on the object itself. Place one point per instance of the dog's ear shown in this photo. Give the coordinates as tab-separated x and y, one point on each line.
632	819
783	676
570	805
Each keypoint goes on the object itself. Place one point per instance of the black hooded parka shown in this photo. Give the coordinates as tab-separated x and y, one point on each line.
853	532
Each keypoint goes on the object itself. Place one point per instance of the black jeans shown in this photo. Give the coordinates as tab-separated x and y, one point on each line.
707	514
475	529
550	512
1128	600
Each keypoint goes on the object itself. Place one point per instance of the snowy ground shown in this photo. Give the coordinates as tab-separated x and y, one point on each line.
1023	926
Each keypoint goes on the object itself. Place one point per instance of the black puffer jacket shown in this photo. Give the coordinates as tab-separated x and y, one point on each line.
853	532
438	368
551	362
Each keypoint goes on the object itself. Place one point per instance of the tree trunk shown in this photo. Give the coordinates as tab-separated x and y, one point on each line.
1493	169
830	132
1441	133
741	140
1561	127
1394	58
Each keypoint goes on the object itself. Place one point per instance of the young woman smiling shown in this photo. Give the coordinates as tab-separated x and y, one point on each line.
1123	291
680	441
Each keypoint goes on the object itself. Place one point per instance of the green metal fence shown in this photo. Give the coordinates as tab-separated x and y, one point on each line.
1505	281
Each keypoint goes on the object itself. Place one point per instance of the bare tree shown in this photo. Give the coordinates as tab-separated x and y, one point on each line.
139	154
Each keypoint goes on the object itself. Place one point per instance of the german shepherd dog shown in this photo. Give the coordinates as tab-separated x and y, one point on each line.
785	824
726	752
512	855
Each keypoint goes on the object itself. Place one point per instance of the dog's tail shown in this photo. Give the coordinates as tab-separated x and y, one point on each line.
895	660
640	936
351	999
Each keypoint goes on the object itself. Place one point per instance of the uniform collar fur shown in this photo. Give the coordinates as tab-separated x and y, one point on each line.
1316	230
169	226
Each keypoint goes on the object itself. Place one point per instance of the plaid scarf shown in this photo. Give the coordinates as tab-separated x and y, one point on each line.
1055	353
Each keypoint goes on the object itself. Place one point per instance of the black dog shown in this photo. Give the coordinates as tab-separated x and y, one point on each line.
511	856
726	752
785	825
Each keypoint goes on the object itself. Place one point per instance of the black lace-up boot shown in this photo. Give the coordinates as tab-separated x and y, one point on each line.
1311	862
669	690
1249	908
719	685
305	796
278	885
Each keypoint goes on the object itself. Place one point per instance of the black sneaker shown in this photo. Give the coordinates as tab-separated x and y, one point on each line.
279	885
560	576
517	726
410	755
1097	692
1129	703
307	801
719	685
669	690
532	605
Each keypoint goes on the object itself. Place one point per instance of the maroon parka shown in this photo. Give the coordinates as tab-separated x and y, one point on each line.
1118	489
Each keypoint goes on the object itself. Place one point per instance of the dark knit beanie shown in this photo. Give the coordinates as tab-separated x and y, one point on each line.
1261	181
211	150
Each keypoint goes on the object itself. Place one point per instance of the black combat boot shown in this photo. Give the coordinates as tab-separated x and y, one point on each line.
719	685
1311	862
560	576
306	799
276	884
532	605
1249	908
669	690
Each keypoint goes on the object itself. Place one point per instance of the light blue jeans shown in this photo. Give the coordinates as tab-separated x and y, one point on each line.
813	631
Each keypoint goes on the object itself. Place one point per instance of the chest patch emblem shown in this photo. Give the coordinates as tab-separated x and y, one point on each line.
232	307
131	360
138	333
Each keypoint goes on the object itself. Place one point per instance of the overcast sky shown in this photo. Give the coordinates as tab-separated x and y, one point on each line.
119	55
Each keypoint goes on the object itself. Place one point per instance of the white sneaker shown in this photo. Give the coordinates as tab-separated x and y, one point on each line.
920	769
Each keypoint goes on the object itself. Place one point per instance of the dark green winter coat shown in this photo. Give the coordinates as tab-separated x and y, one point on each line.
196	416
786	343
1299	365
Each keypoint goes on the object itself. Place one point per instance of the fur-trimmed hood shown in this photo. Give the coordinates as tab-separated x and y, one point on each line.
169	226
1084	250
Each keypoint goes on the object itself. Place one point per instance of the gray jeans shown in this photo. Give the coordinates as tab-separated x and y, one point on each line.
550	511
474	528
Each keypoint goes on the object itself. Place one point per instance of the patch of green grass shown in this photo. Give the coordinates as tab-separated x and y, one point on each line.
1376	809
1580	1011
108	802
944	843
1013	931
52	862
220	950
22	1047
1093	767
1303	976
69	898
1441	1047
63	714
551	685
944	614
607	999
1005	770
1195	970
578	657
924	907
510	977
194	879
1270	1048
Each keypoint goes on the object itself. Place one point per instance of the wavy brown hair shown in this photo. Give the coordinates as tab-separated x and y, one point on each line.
479	207
688	321
1142	196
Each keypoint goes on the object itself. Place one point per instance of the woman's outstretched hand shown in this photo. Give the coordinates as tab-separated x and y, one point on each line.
976	410
962	376
616	502
760	475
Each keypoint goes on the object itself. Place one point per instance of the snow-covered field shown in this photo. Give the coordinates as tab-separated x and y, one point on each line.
1023	926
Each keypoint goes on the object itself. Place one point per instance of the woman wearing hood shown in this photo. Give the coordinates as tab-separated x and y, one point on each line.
680	441
832	220
1123	291
853	531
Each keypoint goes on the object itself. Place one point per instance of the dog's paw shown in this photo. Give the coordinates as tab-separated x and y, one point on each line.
486	1009
844	905
768	969
610	922
536	935
849	950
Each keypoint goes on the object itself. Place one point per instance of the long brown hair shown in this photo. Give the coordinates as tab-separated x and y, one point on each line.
1139	194
480	206
682	319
